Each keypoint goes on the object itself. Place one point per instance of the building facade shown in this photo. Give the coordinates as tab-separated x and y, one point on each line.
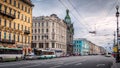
70	33
81	46
15	24
49	32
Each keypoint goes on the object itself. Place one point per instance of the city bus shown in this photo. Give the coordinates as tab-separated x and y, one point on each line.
9	54
58	53
44	54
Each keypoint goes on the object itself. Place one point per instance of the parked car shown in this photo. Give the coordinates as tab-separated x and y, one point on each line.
31	57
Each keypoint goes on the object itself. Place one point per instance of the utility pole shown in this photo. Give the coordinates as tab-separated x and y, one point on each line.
114	40
117	15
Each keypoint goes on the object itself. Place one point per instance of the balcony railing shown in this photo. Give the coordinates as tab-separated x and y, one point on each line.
26	32
28	2
7	14
8	41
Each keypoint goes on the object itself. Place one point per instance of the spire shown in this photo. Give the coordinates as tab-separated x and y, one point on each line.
67	17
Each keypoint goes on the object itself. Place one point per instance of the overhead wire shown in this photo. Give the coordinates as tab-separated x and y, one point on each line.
80	16
73	15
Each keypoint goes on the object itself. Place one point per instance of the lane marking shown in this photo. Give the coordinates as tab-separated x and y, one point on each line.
56	66
100	65
30	66
78	64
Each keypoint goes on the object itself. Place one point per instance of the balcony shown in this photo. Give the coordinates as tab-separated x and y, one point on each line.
7	41
26	32
7	14
27	2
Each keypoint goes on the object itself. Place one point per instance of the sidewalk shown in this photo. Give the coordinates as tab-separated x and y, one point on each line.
115	65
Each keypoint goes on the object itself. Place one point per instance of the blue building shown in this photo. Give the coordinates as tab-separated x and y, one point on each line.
81	46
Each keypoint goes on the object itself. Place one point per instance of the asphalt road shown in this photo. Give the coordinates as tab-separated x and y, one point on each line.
65	62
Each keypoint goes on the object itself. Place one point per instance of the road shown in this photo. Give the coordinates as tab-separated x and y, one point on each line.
65	62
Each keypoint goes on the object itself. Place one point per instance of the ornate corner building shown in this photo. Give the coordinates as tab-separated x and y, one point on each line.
16	23
70	33
49	32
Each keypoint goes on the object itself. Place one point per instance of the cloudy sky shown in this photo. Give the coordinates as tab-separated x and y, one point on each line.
87	15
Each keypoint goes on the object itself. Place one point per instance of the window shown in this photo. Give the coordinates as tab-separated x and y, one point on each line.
22	39
18	15
9	37
39	24
4	35
25	9
39	30
22	7
35	30
35	37
0	21
29	20
14	12
19	5
33	45
22	27
29	10
46	30
40	45
5	23
0	7
53	45
0	35
32	37
5	8
14	36
22	16
42	23
28	39
10	24
42	30
5	0
18	38
11	2
14	3
38	37
18	26
10	11
25	18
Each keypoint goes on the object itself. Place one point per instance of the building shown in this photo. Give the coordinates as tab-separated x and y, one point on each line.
70	33
15	24
81	46
49	32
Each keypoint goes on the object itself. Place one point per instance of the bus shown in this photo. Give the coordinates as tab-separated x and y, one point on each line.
9	54
45	54
58	53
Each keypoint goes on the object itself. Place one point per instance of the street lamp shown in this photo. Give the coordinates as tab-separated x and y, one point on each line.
117	15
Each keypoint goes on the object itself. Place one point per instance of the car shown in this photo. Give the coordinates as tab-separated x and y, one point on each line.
31	57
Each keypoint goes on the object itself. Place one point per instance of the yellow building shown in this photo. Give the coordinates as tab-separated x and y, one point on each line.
16	23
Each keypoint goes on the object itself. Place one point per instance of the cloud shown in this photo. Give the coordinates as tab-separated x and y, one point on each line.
91	15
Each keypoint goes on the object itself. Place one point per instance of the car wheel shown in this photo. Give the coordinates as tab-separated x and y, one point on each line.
1	59
16	58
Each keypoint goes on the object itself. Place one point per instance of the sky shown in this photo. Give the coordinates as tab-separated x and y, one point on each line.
86	15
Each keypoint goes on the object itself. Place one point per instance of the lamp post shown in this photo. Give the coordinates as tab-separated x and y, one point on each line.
117	15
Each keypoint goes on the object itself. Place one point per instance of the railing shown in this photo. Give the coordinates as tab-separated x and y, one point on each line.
8	41
7	14
28	2
26	32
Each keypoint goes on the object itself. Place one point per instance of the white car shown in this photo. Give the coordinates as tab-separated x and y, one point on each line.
31	57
